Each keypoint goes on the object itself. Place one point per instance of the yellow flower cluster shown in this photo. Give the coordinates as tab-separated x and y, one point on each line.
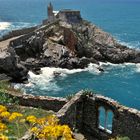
2	108
43	128
2	127
14	116
5	114
3	137
49	128
8	117
55	132
31	119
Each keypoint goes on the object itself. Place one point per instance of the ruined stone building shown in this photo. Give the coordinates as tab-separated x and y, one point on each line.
67	15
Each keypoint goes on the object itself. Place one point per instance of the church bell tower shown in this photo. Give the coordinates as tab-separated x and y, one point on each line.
50	12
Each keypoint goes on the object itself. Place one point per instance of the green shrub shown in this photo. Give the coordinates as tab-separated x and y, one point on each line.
5	98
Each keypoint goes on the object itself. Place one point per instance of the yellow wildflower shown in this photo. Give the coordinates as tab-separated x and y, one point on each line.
15	115
2	127
5	114
2	108
3	137
41	121
52	120
35	130
31	119
41	136
46	132
67	134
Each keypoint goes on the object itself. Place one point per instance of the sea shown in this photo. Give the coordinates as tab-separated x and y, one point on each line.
121	18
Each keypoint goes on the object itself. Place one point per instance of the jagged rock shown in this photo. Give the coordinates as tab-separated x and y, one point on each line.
83	62
64	45
10	65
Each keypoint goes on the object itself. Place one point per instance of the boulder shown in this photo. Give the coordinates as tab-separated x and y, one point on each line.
10	65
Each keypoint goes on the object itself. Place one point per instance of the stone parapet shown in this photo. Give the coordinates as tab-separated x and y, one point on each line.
44	102
82	113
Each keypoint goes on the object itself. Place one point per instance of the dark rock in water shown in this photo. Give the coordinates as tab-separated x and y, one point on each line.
56	74
59	44
101	69
83	62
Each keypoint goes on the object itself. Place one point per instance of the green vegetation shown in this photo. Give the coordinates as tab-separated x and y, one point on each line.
27	111
5	98
85	92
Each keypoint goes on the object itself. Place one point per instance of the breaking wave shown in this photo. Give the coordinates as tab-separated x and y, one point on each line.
4	25
48	74
131	44
46	81
133	68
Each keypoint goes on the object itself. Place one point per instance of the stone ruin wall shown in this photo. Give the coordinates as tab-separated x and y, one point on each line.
82	113
44	102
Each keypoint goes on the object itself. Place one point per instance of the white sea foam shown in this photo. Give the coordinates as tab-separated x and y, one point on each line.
46	80
138	68
135	68
4	25
48	74
131	44
134	44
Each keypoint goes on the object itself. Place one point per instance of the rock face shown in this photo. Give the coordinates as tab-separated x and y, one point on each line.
10	65
64	45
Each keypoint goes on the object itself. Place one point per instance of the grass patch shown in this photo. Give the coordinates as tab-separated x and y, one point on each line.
7	87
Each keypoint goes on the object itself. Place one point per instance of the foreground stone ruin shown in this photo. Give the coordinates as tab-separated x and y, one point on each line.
83	112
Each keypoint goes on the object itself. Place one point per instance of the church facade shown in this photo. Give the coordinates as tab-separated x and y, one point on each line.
67	15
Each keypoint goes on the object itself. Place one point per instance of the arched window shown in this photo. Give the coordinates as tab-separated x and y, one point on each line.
105	119
110	116
101	117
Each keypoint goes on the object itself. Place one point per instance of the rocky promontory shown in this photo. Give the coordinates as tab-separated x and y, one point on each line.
65	45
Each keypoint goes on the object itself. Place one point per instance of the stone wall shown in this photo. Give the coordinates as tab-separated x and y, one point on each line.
70	16
82	113
19	32
45	102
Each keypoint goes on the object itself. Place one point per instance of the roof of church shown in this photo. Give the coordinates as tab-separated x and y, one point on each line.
68	10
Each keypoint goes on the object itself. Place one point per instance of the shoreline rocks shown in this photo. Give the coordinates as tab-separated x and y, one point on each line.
64	45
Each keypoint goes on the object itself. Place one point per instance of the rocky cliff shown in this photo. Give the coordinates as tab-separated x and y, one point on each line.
64	45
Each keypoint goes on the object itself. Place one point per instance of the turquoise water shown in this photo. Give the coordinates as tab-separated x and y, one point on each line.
121	18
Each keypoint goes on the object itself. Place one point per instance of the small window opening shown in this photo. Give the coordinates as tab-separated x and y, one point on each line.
105	119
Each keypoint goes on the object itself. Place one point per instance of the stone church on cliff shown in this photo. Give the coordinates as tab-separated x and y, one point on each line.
67	15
